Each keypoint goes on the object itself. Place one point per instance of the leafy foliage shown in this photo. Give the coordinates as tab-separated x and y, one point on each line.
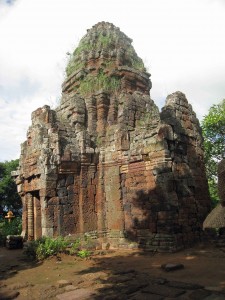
83	253
213	128
9	198
46	247
10	228
80	248
75	247
49	247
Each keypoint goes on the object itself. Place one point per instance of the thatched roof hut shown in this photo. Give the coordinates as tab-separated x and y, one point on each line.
216	218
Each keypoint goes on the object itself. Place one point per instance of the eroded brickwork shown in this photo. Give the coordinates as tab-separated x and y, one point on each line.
106	162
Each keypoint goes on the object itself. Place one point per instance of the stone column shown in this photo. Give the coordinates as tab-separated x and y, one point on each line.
24	217
46	218
100	202
30	216
37	218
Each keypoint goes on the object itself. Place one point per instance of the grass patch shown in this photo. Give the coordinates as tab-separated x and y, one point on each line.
133	60
108	42
74	65
84	46
92	83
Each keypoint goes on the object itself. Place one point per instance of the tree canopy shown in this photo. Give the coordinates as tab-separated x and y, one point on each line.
9	198
213	128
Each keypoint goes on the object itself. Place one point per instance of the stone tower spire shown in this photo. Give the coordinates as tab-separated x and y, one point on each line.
106	60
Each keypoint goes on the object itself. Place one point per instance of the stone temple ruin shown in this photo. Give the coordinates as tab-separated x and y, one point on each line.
106	162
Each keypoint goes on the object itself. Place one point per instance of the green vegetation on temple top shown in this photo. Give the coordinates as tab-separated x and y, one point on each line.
112	42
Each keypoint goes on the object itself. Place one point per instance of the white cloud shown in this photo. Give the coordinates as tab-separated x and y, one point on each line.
182	42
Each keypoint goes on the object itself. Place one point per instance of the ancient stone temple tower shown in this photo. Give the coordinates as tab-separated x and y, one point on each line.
106	162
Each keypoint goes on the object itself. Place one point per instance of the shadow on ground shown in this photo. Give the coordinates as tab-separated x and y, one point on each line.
138	275
12	262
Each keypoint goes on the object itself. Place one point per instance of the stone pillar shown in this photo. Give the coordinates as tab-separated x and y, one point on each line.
24	217
82	197
100	202
30	216
46	218
37	218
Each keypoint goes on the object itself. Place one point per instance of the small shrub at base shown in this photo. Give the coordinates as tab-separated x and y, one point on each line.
83	253
45	247
75	247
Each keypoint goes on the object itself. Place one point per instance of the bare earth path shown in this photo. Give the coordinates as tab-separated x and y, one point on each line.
115	275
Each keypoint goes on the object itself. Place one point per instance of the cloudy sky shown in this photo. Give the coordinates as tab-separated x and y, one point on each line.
182	43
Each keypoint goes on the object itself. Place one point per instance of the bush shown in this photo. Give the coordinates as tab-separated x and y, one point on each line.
51	247
46	246
10	228
75	247
83	253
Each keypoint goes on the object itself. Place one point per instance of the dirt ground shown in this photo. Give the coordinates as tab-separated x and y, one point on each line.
203	265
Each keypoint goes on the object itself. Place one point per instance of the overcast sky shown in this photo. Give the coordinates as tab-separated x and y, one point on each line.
182	43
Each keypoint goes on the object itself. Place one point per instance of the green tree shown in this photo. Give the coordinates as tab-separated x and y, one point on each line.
9	198
213	129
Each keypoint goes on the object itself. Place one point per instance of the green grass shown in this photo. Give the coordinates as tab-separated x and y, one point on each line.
73	66
133	60
92	83
82	47
107	42
138	64
104	41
